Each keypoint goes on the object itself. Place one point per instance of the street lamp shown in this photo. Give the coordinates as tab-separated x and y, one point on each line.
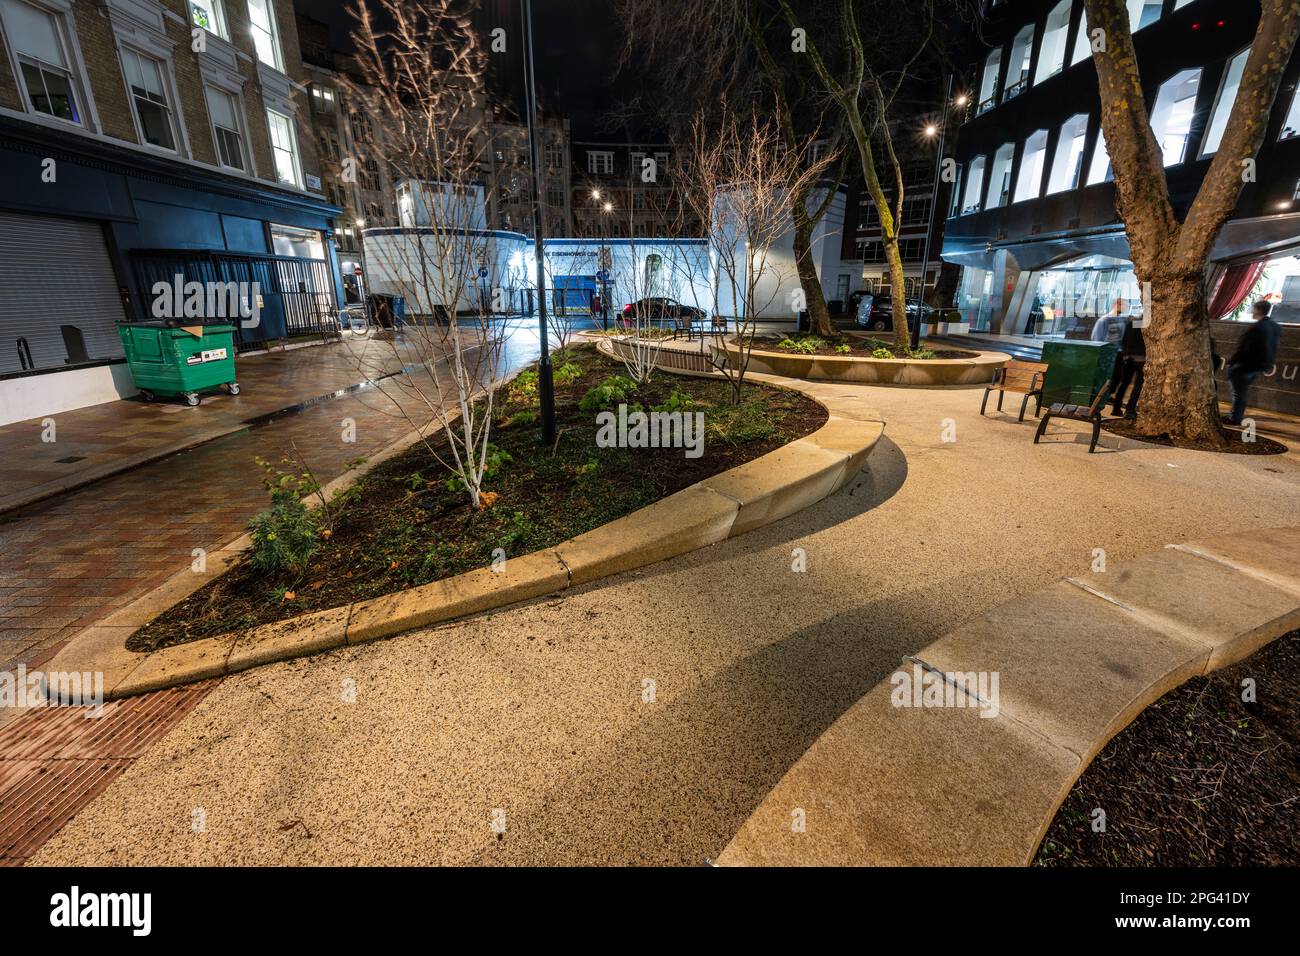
931	132
545	379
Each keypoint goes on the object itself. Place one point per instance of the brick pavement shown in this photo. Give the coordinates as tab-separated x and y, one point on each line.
70	560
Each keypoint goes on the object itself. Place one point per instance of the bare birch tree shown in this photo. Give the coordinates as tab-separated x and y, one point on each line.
1178	398
421	75
739	180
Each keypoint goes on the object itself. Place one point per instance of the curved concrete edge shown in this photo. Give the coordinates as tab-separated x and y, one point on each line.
741	499
932	373
891	784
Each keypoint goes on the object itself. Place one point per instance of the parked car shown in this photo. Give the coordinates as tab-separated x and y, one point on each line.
659	309
876	312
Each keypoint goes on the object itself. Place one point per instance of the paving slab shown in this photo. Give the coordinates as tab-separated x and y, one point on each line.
1232	612
1268	553
1070	666
891	786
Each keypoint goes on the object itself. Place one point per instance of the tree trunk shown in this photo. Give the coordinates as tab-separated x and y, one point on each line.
898	292
1178	397
818	314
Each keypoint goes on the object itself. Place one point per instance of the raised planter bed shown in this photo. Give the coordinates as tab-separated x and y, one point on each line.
860	370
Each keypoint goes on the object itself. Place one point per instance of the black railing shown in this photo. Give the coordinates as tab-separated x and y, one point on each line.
296	297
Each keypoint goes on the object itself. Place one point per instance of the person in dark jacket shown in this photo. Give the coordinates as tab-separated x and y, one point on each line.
1256	353
1130	366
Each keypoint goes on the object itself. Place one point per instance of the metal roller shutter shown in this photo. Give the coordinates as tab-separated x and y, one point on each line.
55	272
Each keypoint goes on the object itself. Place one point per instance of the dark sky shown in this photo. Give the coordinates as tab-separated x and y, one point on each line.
578	43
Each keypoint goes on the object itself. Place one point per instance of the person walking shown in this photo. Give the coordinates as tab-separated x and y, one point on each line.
1256	353
1130	369
1107	328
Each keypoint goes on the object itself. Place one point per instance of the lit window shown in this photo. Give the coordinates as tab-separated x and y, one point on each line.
1171	120
1143	13
1291	125
1099	171
1068	162
1223	106
224	110
209	15
284	146
1022	54
144	76
1030	183
1082	42
989	82
266	38
1051	56
1000	176
40	50
970	201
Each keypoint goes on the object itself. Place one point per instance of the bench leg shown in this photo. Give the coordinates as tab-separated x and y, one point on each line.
1000	394
1023	405
1042	427
1096	433
984	403
1038	404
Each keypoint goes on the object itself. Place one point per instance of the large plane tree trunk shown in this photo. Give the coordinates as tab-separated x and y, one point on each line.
819	315
1170	258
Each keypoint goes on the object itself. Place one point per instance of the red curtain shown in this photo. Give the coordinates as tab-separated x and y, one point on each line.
1233	288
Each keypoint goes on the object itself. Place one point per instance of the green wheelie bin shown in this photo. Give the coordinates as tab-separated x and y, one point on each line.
169	361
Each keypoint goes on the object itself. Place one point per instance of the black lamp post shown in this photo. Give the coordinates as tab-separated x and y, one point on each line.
545	381
942	131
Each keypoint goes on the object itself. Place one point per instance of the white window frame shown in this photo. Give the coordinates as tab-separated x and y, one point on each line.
1020	189
989	89
165	74
976	181
1058	38
295	149
1097	174
241	121
1291	120
600	161
277	48
1156	109
992	167
60	11
1026	68
1063	179
217	9
1207	147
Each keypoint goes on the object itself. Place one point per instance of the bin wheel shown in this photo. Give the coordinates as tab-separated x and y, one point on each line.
147	395
192	399
233	388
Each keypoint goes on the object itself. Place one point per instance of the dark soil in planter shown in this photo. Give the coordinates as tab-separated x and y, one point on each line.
858	347
1200	778
401	525
1236	446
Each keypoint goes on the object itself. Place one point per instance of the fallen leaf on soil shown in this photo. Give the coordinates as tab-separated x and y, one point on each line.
289	596
487	499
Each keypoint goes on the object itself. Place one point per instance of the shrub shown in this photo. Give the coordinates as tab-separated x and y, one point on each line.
882	353
285	535
610	393
567	374
844	348
524	386
804	345
677	402
922	354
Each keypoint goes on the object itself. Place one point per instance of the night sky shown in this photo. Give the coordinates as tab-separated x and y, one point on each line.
578	45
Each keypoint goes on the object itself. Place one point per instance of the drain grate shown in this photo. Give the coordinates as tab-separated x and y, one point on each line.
55	761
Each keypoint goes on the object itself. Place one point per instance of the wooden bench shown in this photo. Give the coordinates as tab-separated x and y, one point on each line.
1078	413
1023	378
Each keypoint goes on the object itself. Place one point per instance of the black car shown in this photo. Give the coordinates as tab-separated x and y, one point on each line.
658	309
876	312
